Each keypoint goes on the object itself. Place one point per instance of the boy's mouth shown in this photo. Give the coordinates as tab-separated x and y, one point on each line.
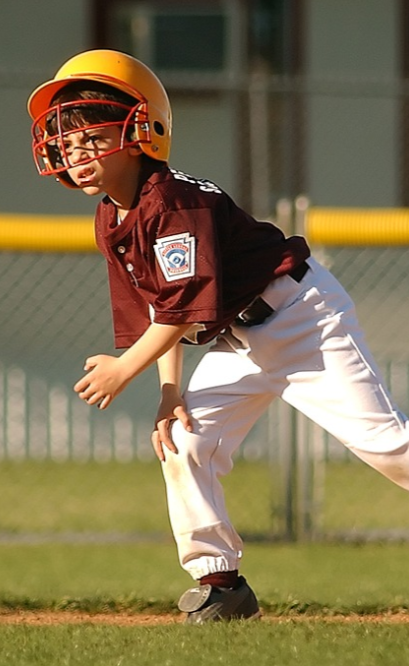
85	176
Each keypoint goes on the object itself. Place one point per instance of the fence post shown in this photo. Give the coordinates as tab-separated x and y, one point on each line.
259	151
298	507
301	205
282	418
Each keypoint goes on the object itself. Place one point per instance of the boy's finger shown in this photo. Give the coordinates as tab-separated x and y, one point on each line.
105	402
81	385
187	423
184	418
164	428
90	363
157	446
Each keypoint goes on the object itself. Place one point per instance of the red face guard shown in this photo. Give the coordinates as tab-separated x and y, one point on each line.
49	151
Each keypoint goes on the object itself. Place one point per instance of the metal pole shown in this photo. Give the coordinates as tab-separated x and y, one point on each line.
259	151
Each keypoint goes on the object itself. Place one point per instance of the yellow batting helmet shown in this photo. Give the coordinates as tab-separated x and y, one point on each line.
152	112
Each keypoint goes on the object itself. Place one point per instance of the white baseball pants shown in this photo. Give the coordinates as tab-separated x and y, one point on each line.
310	353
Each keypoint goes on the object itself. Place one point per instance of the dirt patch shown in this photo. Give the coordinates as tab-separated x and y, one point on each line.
50	618
71	617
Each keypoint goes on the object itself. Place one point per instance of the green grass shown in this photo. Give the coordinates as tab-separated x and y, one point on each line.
358	498
54	505
45	497
55	497
51	497
237	644
288	579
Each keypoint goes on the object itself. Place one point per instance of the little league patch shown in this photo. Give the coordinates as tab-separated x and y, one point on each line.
176	256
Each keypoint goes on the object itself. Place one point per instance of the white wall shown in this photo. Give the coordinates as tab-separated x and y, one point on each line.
352	115
352	149
36	37
204	139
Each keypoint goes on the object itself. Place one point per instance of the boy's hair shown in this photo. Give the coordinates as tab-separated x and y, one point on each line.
73	116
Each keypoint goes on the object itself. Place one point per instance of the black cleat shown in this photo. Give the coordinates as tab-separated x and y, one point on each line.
213	604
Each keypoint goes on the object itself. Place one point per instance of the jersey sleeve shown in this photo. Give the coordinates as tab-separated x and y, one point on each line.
187	267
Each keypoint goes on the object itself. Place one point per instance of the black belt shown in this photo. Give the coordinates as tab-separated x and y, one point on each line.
258	311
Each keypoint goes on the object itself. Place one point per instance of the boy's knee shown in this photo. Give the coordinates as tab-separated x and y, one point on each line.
199	448
394	465
190	445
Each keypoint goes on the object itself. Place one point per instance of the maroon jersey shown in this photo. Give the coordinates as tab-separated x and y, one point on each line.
187	253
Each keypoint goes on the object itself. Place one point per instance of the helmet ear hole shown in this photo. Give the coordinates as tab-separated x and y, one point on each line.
158	127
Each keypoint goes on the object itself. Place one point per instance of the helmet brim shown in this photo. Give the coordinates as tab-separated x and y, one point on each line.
41	98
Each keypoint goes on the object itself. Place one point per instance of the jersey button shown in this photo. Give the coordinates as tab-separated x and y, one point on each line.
121	249
129	268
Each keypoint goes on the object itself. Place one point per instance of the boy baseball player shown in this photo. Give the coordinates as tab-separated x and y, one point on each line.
187	265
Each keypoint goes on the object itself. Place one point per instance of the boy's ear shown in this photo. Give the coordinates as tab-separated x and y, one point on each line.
135	150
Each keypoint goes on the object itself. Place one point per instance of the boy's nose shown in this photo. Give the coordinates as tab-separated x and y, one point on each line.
78	155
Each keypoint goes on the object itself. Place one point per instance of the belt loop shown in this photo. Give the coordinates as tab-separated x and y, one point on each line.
256	313
298	273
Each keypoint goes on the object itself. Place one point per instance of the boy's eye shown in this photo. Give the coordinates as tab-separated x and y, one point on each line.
63	147
94	139
89	141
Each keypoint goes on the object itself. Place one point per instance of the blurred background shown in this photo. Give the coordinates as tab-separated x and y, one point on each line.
287	104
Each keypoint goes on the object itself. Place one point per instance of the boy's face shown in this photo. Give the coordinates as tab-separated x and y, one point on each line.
84	153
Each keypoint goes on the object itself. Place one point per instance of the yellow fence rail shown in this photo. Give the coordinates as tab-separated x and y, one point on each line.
321	226
46	233
357	226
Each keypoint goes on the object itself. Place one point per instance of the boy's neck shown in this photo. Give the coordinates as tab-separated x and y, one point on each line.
148	168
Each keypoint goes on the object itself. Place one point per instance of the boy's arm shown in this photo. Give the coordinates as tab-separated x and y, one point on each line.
172	406
107	375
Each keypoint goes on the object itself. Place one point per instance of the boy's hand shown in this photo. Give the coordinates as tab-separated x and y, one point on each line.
105	379
172	407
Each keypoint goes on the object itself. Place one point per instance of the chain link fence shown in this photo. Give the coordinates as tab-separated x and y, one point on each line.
55	310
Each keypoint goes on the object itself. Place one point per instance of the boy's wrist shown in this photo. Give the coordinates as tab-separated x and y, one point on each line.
170	388
127	371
